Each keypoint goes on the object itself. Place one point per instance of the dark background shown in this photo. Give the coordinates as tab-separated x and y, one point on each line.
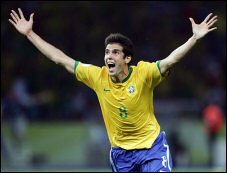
79	29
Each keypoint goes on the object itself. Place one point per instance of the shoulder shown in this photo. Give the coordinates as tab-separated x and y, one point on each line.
145	65
80	65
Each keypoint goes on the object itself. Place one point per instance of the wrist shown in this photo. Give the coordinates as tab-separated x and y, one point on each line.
29	33
194	38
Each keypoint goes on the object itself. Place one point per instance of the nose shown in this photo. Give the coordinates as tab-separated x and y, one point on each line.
108	56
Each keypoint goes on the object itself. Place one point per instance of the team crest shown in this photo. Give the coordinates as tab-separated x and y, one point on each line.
131	89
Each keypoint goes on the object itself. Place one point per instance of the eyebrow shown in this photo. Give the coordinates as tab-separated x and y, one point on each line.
113	50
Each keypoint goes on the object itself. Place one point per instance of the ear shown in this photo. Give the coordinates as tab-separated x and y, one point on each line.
128	59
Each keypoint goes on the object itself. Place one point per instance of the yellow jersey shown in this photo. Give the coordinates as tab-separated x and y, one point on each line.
127	107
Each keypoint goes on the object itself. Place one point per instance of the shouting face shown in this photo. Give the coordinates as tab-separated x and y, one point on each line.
116	62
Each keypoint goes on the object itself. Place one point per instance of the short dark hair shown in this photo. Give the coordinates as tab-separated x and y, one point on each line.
124	41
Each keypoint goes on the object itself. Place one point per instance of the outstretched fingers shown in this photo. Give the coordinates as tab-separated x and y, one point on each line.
13	23
21	13
31	17
192	20
15	15
207	18
212	29
212	21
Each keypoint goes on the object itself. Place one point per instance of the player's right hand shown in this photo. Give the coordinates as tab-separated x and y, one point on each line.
20	23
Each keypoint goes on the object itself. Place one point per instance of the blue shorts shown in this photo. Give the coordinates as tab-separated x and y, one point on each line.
155	159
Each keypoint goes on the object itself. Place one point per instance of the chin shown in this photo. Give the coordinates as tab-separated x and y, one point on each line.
111	74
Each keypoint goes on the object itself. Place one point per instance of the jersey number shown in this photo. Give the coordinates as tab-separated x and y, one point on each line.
123	112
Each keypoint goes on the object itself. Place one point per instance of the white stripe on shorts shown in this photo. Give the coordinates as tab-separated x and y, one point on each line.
167	153
111	161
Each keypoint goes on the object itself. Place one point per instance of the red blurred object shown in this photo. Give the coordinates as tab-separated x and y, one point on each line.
213	118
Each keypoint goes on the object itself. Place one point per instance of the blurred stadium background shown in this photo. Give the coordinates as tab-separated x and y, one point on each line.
56	124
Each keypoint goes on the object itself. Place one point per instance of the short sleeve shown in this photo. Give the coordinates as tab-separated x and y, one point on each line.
86	73
150	73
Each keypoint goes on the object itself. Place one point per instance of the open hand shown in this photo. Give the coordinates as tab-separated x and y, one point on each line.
20	23
200	30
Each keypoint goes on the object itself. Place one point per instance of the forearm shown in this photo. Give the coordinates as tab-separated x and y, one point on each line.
178	54
51	52
181	51
47	49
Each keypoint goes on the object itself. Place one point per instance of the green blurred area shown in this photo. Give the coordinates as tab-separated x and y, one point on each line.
54	142
58	139
69	144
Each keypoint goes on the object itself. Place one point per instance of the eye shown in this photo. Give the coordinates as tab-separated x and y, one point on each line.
116	52
106	52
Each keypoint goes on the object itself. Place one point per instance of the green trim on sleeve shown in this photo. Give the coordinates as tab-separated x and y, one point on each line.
75	66
158	63
164	75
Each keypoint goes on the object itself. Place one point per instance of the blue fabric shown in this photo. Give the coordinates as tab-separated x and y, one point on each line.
155	159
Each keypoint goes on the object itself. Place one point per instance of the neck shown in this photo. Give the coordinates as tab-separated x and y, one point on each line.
121	76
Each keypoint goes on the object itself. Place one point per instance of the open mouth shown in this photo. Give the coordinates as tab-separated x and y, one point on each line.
111	65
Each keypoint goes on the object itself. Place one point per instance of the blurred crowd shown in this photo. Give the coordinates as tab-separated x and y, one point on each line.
79	29
36	89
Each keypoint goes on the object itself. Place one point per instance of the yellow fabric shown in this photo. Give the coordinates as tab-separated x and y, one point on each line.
127	107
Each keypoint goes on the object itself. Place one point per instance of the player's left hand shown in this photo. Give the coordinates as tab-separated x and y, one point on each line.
200	30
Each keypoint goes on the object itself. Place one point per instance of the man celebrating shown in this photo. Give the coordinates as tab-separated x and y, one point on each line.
125	94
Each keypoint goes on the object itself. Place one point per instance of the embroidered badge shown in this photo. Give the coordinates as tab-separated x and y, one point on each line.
131	89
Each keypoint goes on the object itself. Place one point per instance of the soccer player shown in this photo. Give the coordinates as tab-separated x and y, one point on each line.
125	94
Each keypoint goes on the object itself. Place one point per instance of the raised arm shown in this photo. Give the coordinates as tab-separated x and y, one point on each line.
51	52
199	31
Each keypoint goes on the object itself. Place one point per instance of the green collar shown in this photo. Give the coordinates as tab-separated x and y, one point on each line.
125	79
